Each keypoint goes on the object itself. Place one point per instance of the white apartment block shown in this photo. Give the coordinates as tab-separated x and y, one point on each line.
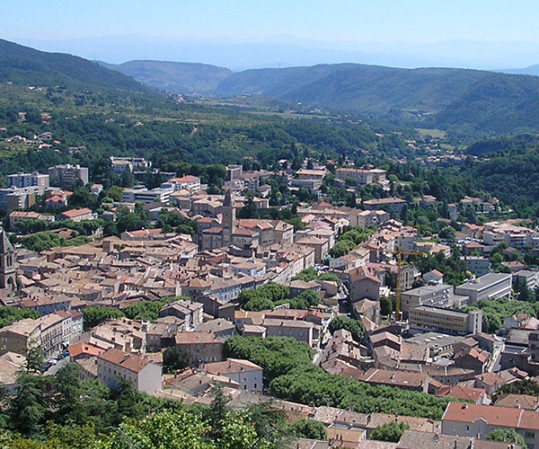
489	286
69	174
22	180
144	195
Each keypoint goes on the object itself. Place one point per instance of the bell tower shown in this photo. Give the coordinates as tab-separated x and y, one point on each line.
8	272
228	221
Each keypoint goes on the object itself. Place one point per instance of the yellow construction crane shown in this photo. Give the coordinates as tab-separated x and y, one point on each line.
399	253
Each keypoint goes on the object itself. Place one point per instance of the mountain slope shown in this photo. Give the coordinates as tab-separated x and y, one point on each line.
176	77
476	100
505	103
26	66
531	70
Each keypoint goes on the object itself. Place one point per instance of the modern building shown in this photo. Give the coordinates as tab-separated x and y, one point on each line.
439	295
445	320
33	179
189	182
143	195
68	175
489	286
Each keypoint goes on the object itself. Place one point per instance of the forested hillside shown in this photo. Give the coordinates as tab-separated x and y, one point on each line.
25	66
176	77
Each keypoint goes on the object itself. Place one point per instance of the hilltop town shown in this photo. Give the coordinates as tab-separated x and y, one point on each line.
163	287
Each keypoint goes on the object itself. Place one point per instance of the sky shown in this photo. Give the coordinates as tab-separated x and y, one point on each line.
498	29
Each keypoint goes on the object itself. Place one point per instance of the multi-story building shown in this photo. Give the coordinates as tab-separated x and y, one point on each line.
121	164
489	286
68	175
144	195
362	176
189	182
49	332
201	347
245	373
33	179
389	204
309	178
478	265
13	198
479	420
303	331
445	320
372	217
432	295
114	365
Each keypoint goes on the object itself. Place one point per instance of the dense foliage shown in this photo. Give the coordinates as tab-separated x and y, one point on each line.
507	436
494	311
287	366
355	327
92	316
87	415
350	239
276	355
8	315
391	432
526	386
309	384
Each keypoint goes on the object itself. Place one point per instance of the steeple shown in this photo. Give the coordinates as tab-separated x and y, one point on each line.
228	221
8	275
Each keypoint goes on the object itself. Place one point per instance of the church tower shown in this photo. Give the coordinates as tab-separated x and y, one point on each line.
8	273
228	221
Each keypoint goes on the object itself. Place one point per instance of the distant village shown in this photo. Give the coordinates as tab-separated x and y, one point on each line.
431	343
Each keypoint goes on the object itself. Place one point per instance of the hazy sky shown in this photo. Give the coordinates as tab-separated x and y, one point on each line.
337	24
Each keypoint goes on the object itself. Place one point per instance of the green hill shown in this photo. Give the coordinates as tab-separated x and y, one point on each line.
504	103
511	173
176	77
25	66
472	100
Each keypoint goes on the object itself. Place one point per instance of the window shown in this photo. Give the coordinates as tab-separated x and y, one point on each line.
529	434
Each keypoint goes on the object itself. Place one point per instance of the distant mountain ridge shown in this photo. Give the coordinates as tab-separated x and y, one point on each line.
444	97
176	77
26	66
451	99
531	70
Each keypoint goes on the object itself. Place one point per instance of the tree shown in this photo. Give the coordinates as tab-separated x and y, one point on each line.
354	326
175	358
93	316
309	428
10	314
68	401
391	432
311	297
180	430
28	407
507	436
80	198
385	306
34	359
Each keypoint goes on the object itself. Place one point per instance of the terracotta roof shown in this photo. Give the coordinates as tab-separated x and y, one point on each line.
76	212
231	366
523	401
494	416
132	362
84	348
